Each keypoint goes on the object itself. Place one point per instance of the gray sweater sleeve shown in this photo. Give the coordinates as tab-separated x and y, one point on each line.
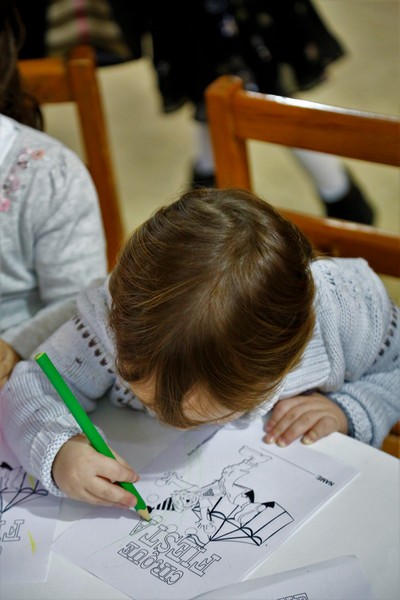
63	237
361	332
354	355
371	405
35	420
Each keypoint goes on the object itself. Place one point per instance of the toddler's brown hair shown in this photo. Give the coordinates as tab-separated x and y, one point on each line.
212	292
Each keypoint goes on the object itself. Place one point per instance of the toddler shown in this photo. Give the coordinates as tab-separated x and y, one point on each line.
217	310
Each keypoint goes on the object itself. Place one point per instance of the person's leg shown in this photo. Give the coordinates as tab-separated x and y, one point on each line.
342	197
203	160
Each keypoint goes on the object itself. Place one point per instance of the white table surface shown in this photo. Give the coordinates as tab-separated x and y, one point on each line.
362	519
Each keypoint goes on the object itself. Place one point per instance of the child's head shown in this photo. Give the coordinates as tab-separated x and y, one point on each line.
14	101
212	301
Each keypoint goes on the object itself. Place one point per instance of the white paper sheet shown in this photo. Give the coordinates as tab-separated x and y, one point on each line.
28	516
220	500
341	578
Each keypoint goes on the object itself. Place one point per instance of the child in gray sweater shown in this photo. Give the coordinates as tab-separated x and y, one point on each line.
51	235
217	310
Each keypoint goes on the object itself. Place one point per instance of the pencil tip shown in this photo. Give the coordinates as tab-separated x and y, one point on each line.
144	513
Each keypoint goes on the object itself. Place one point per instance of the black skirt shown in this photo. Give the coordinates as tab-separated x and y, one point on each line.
275	46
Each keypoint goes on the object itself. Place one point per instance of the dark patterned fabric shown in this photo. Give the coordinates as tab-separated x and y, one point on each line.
275	47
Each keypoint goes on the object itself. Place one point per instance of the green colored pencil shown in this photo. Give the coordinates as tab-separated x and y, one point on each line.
86	424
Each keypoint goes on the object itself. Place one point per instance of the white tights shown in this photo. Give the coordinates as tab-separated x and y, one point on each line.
327	172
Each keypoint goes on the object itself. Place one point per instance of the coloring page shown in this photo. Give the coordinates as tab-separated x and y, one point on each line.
28	516
220	502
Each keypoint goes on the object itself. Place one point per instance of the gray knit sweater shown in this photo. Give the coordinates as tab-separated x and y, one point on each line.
51	235
353	358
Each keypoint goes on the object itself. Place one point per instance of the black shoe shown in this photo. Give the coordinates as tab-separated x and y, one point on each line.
200	180
352	207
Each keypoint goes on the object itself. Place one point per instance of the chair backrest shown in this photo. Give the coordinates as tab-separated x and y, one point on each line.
236	115
74	79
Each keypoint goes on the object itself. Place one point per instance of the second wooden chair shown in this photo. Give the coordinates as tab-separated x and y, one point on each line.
74	80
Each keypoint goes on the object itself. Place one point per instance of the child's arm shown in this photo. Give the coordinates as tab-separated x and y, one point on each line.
361	330
372	404
360	336
46	438
365	409
35	420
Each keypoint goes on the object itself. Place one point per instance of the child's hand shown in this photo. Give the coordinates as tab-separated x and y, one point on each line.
8	360
310	417
84	474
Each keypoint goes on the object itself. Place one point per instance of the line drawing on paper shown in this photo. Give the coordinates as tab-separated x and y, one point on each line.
17	487
225	510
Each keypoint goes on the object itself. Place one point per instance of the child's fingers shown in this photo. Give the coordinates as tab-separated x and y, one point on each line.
311	427
294	424
105	485
299	416
280	409
88	496
106	493
99	491
114	470
84	474
322	428
284	414
127	465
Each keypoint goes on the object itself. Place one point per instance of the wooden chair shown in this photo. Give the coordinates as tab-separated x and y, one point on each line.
236	116
74	80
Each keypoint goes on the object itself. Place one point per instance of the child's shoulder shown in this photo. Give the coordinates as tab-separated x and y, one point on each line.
35	165
350	285
96	294
40	166
31	146
340	273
